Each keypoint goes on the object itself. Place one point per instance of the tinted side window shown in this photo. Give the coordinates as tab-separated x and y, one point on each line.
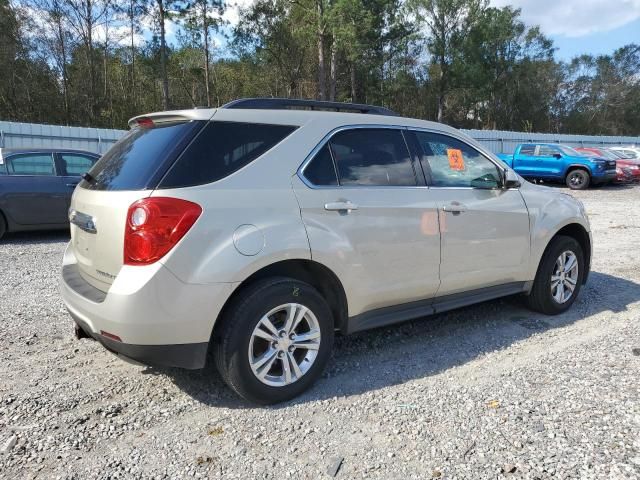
30	164
222	148
75	164
528	150
320	170
453	163
374	157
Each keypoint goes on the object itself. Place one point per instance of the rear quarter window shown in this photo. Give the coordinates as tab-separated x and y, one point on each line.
222	148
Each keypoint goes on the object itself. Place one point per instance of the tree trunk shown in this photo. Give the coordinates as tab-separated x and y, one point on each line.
333	71
132	13
354	86
163	58
65	76
205	23
90	60
322	75
442	88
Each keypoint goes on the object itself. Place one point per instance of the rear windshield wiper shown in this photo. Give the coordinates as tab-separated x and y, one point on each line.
87	177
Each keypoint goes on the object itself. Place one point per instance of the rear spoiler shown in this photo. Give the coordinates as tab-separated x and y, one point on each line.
170	117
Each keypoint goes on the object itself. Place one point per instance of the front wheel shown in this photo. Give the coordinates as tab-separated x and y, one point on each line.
275	340
578	179
559	277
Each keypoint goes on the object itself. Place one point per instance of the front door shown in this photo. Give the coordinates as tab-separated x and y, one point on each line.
370	218
484	228
70	167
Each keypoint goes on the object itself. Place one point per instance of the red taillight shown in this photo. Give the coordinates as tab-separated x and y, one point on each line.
154	226
144	122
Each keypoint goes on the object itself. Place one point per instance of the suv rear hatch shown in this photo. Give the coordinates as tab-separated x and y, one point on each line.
129	171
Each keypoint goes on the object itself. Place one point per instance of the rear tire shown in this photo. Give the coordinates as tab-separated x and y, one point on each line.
245	339
544	298
578	179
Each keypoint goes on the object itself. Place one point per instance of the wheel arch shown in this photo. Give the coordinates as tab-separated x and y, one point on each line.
309	271
577	166
581	235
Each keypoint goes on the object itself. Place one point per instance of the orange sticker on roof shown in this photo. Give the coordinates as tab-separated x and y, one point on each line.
456	162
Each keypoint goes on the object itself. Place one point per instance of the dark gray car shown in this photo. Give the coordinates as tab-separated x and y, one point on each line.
36	186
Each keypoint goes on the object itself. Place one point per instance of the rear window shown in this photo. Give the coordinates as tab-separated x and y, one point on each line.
137	160
222	148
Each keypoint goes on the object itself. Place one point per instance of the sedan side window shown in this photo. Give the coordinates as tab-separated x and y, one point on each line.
373	157
452	163
73	164
30	164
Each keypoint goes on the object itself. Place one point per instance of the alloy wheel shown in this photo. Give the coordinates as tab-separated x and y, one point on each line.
284	344
564	277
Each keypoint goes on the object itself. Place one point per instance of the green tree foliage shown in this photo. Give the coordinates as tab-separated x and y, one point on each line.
100	62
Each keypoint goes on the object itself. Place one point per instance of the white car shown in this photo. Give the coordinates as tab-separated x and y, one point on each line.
628	152
255	231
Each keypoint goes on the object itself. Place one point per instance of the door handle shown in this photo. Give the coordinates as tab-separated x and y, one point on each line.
455	208
340	206
72	185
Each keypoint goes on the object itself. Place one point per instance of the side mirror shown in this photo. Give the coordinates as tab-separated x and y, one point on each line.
511	180
557	155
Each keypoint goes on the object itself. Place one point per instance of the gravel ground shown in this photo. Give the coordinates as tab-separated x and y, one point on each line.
490	391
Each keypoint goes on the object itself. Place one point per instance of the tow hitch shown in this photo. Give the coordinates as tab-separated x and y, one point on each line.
79	332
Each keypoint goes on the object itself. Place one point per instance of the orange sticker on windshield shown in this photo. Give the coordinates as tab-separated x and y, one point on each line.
456	162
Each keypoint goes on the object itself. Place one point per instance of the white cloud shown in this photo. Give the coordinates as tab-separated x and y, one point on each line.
575	18
232	13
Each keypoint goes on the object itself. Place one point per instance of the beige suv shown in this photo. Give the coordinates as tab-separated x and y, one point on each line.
256	231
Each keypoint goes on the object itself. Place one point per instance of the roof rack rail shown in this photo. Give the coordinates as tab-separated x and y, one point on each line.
293	103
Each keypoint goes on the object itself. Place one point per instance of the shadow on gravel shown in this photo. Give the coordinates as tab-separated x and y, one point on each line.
34	238
387	356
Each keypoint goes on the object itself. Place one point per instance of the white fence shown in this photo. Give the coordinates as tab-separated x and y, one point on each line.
99	140
33	135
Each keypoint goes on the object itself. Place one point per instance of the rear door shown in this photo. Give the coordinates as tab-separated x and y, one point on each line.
70	166
34	194
484	228
550	161
525	161
370	219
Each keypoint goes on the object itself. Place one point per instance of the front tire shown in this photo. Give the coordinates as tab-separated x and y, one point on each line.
559	277
3	226
275	340
578	179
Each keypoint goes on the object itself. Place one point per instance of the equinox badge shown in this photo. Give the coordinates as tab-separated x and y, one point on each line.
83	221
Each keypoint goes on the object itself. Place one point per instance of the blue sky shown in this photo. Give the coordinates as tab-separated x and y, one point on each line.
582	26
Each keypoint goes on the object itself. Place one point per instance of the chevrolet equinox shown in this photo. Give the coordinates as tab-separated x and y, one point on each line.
257	230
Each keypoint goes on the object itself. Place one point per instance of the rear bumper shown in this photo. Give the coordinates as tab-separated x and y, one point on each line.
159	319
189	356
